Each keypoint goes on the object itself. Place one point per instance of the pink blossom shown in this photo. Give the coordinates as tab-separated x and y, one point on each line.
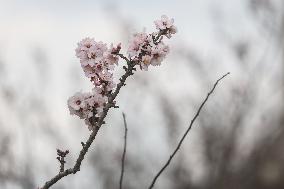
89	71
166	25
83	104
97	50
85	44
115	50
83	47
76	102
146	60
110	60
136	43
159	52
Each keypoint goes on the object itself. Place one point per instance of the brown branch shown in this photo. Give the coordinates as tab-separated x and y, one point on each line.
124	151
123	57
186	132
128	72
61	158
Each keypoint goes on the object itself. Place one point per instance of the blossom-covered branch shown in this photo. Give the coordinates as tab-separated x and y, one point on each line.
98	63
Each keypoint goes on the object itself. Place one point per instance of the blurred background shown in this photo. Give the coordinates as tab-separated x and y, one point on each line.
237	141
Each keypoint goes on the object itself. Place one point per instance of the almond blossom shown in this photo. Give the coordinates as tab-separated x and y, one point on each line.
85	104
166	25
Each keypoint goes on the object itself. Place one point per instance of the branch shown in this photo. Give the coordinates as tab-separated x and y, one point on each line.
186	132
77	165
61	158
123	57
128	72
124	152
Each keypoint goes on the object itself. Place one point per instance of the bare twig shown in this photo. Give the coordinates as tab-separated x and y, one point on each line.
61	158
186	132
124	152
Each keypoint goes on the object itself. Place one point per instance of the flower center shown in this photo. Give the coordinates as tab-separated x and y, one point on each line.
78	102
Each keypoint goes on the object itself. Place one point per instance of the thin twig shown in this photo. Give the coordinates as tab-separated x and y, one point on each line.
186	132
124	152
61	158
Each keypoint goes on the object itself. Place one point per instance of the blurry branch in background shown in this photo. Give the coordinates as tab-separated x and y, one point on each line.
170	116
124	25
124	151
186	132
9	172
17	168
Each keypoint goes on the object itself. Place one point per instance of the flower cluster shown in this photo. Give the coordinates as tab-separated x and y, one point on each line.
87	105
149	49
98	63
166	26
